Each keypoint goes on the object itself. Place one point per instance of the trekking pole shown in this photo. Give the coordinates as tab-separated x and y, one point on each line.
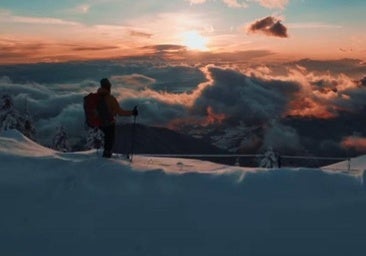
133	135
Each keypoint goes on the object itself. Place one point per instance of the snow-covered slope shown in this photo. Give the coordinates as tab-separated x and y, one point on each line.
354	165
13	142
80	204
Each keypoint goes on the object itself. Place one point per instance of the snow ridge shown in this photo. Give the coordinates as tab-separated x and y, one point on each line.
81	204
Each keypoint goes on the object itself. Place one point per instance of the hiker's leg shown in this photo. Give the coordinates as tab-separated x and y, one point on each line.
109	137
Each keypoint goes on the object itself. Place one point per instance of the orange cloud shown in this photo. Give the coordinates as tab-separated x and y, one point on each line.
319	95
307	107
212	117
307	94
354	142
38	50
136	33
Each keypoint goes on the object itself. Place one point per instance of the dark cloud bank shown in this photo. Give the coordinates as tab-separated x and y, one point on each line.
245	108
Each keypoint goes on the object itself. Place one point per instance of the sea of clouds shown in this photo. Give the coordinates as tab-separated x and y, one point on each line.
175	95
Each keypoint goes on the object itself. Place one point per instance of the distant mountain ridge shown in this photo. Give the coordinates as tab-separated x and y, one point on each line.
158	140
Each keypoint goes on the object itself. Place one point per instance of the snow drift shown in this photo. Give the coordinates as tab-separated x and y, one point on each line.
80	204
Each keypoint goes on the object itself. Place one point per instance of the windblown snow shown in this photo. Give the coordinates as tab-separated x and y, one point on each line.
56	203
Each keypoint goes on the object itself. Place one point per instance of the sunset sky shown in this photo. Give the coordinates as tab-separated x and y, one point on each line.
45	30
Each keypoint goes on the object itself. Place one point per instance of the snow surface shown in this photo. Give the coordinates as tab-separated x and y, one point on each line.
56	203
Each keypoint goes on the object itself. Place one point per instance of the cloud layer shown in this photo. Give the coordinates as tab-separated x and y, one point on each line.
265	105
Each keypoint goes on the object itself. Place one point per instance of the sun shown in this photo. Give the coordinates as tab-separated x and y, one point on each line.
194	41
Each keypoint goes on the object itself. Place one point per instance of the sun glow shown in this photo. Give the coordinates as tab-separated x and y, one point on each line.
194	41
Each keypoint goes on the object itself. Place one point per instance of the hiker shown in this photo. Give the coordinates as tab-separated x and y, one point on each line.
110	108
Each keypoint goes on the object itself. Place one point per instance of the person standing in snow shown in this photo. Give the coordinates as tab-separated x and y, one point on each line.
110	109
